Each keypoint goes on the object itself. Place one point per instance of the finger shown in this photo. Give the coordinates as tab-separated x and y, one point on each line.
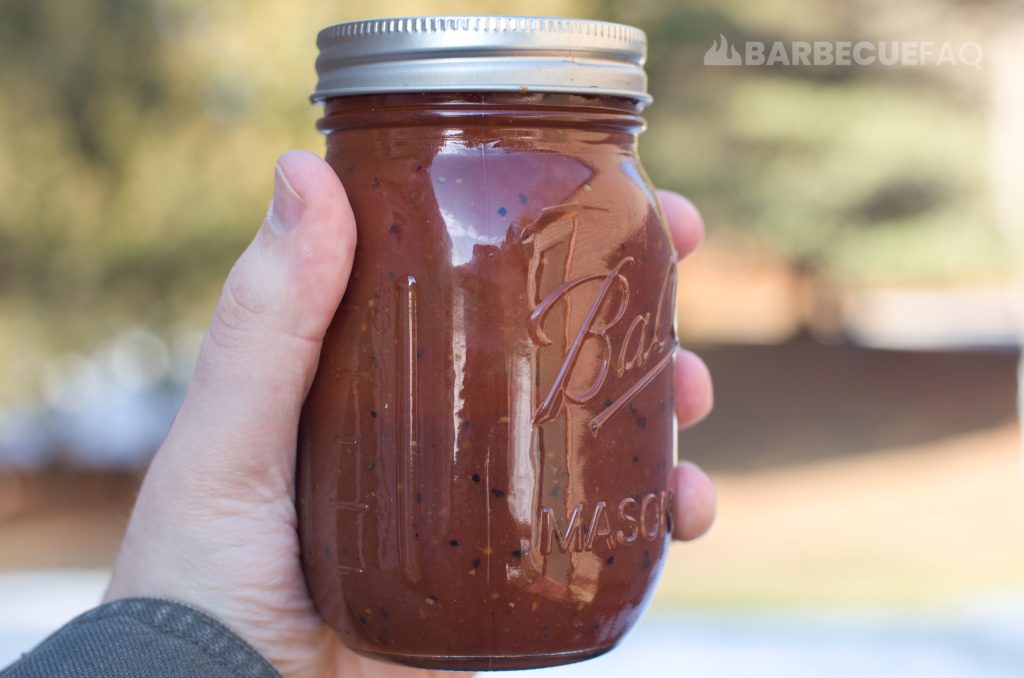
684	221
258	358
694	501
694	391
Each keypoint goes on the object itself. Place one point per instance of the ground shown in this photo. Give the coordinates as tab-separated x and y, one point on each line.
844	475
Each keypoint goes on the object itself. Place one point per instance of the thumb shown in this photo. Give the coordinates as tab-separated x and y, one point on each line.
240	414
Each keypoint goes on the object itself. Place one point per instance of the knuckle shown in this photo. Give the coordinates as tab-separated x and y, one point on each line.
240	312
240	305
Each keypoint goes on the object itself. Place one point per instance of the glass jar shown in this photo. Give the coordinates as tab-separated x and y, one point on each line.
484	453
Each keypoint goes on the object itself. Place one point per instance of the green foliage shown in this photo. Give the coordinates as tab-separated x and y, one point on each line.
864	174
137	140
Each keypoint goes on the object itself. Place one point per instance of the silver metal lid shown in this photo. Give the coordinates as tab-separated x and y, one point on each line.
481	54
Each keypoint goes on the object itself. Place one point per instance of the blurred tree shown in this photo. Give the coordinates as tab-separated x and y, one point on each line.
869	174
137	140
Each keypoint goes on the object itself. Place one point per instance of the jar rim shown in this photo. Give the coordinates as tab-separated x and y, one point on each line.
481	54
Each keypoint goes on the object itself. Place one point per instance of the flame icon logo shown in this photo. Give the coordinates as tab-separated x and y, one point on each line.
722	54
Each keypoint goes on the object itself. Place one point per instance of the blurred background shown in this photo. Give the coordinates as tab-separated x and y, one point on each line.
858	300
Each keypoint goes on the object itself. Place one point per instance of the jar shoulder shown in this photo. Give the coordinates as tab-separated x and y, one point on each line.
468	195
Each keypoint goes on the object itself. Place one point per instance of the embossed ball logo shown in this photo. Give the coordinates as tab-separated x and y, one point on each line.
643	344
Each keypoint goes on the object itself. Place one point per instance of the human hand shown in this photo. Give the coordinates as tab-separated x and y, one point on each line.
214	525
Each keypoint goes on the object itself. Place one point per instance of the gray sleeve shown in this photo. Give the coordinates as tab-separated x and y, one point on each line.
142	637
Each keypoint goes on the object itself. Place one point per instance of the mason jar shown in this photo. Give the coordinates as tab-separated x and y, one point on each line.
484	453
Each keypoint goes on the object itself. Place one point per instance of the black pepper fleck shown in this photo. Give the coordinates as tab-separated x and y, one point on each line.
475	477
454	543
636	457
523	199
476	563
498	493
518	553
502	211
607	402
370	465
610	560
373	413
362	619
395	229
641	422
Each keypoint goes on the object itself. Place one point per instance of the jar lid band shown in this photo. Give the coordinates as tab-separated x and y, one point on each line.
481	54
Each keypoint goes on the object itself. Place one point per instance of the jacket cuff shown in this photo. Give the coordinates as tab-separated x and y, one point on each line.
143	637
